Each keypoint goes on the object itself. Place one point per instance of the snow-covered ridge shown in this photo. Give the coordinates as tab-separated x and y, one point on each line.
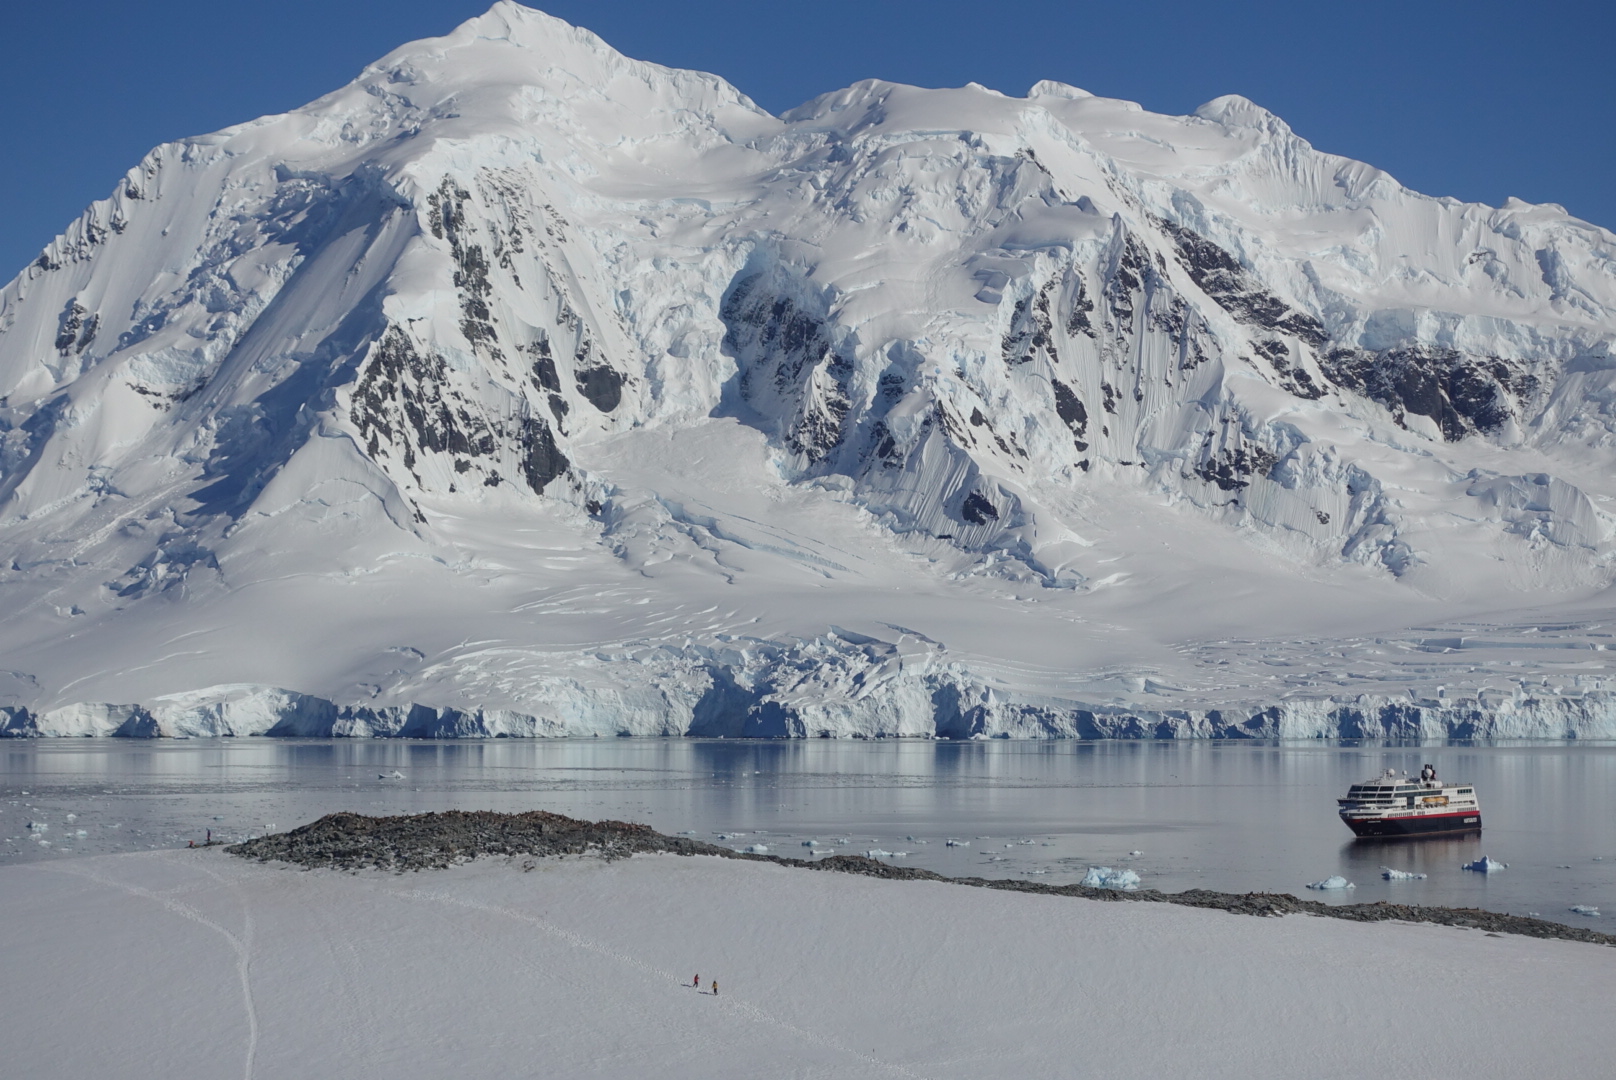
516	353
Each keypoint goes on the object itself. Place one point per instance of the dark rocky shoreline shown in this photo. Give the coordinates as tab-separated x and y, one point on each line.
347	841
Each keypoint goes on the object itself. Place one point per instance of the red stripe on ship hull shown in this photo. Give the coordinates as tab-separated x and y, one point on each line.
1417	824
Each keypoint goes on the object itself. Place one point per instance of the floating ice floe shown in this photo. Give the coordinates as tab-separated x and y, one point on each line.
810	843
1104	877
687	832
72	817
1135	854
38	826
756	849
730	835
1399	875
877	853
1584	909
957	843
82	832
1485	865
1335	881
394	775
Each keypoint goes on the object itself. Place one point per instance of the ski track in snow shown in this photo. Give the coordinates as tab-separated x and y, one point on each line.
240	944
660	976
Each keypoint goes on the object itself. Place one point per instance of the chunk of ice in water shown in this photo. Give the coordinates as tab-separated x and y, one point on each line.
72	817
756	849
1334	881
38	826
1104	877
877	853
810	843
1485	865
1584	909
957	843
1399	875
1135	854
81	832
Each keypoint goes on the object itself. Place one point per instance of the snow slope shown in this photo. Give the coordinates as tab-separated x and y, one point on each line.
522	388
195	964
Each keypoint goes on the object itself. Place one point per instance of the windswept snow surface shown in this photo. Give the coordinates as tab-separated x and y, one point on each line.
570	970
521	388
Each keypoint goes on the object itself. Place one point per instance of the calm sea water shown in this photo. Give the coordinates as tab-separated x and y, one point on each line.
1233	816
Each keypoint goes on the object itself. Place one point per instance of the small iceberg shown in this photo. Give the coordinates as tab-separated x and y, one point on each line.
756	849
1335	881
1135	854
1104	877
958	843
1485	865
1399	875
877	853
1584	909
394	775
810	843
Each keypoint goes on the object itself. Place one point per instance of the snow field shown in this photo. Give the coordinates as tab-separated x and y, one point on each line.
194	964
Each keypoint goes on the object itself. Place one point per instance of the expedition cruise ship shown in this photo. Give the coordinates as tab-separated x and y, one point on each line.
1393	805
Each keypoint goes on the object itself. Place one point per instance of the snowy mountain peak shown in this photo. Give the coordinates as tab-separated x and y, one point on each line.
1051	88
512	315
1233	110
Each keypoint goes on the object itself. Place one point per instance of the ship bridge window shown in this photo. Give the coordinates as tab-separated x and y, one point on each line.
1467	791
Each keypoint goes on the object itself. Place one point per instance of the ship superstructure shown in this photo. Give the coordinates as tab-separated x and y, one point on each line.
1396	804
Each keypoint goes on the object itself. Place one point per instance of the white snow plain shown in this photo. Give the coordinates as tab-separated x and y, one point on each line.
181	965
520	388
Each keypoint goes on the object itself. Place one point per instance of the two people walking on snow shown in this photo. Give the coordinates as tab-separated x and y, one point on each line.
696	982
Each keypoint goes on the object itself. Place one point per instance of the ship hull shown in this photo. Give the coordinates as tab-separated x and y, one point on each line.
1423	825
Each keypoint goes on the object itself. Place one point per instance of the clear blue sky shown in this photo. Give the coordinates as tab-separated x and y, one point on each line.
1479	99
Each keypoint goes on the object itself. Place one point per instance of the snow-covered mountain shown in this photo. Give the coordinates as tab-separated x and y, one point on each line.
520	387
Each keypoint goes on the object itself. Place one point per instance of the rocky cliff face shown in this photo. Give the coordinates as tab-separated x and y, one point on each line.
504	282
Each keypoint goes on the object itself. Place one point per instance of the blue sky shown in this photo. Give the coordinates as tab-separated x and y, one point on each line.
1480	100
